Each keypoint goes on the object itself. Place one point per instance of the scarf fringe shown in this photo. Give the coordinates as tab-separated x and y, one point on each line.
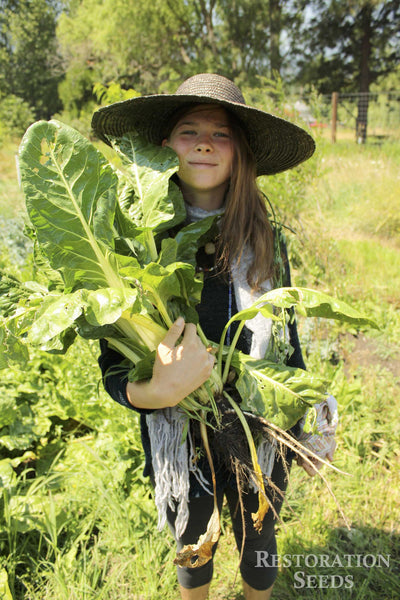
174	460
170	465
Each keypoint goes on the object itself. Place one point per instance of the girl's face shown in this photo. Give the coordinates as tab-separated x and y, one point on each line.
202	140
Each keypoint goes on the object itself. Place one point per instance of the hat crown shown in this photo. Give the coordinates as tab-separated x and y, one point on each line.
212	86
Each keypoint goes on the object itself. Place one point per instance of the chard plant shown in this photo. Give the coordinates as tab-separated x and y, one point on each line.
108	266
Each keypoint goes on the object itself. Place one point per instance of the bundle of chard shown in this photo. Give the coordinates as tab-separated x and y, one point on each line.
108	267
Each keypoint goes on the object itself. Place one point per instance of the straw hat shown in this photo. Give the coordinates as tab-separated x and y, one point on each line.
277	144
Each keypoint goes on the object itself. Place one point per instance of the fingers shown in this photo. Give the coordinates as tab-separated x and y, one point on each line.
331	452
174	333
190	333
190	337
176	330
311	470
182	364
202	355
190	348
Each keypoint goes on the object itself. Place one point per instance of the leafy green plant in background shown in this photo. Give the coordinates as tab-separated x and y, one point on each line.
15	116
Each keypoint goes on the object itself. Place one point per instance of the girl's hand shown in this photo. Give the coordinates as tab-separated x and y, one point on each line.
323	443
312	470
178	370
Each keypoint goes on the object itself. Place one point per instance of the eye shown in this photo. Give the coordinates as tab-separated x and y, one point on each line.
222	134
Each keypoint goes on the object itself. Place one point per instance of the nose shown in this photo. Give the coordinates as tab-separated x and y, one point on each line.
204	144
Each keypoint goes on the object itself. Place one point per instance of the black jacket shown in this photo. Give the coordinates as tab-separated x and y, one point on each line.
213	313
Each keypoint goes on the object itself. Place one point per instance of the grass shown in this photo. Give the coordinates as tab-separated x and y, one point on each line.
358	192
11	198
77	519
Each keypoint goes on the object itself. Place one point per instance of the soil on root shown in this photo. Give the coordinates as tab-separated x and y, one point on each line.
228	442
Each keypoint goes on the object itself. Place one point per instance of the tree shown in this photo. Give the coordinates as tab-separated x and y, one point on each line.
131	47
28	54
347	46
152	46
6	7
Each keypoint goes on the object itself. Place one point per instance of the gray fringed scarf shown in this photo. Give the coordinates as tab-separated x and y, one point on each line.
172	458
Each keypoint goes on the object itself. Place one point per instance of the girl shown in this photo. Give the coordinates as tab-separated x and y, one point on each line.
222	145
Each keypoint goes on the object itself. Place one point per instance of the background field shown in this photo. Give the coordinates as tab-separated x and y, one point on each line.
77	520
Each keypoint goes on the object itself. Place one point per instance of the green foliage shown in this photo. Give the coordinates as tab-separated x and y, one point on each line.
152	47
112	93
164	42
68	462
15	116
130	48
77	98
277	393
29	60
344	43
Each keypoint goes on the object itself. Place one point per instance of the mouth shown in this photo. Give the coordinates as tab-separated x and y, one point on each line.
202	164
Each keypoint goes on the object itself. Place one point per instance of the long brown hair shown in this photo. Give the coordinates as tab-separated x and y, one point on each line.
245	221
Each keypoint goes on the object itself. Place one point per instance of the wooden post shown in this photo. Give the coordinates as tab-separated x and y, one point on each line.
335	97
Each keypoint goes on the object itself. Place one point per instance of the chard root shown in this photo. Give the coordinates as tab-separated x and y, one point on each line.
282	436
196	555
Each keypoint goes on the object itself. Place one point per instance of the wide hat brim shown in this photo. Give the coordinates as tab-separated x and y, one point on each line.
277	144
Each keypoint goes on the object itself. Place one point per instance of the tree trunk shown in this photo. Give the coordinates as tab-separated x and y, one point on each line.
362	116
275	16
208	22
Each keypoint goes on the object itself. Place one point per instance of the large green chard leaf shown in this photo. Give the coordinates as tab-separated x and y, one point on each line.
161	284
105	306
44	273
190	283
150	198
194	235
130	240
56	313
70	191
276	392
311	303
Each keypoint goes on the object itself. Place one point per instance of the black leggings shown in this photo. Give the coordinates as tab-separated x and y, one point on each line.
254	565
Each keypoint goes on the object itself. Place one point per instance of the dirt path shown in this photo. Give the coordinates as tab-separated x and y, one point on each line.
365	352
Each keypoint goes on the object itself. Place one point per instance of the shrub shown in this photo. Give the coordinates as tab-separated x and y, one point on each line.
15	115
